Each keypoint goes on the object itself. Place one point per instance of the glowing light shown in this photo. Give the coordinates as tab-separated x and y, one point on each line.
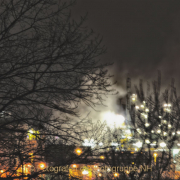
178	144
169	105
142	106
78	151
31	131
165	133
128	131
147	124
85	172
162	144
178	132
133	97
160	117
74	166
114	144
165	105
113	120
145	115
116	174
158	131
100	144
155	155
2	171
108	169
147	110
169	125
152	131
173	133
165	121
137	107
147	141
175	151
144	102
102	157
90	143
99	174
42	165
95	166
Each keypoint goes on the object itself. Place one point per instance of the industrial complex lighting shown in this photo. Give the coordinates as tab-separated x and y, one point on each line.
147	141
138	144
100	144
113	120
85	172
147	124
162	144
158	131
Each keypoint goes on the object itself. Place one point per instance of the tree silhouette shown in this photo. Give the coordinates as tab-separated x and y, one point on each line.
49	65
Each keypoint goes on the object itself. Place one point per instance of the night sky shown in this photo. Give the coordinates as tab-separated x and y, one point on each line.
141	36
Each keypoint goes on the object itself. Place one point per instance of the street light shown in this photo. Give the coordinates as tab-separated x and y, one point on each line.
116	174
102	157
42	165
155	155
78	151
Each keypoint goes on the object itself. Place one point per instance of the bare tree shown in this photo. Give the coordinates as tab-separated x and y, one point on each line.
49	64
149	148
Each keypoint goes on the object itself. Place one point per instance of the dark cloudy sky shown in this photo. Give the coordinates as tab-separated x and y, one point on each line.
141	36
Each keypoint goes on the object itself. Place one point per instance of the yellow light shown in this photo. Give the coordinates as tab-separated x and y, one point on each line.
127	172
142	106
155	155
2	171
99	174
42	165
102	157
132	162
74	166
95	166
78	151
116	174
132	152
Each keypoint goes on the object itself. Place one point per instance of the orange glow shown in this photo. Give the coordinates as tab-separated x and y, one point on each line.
2	171
100	174
42	165
102	157
116	174
155	154
74	166
78	151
